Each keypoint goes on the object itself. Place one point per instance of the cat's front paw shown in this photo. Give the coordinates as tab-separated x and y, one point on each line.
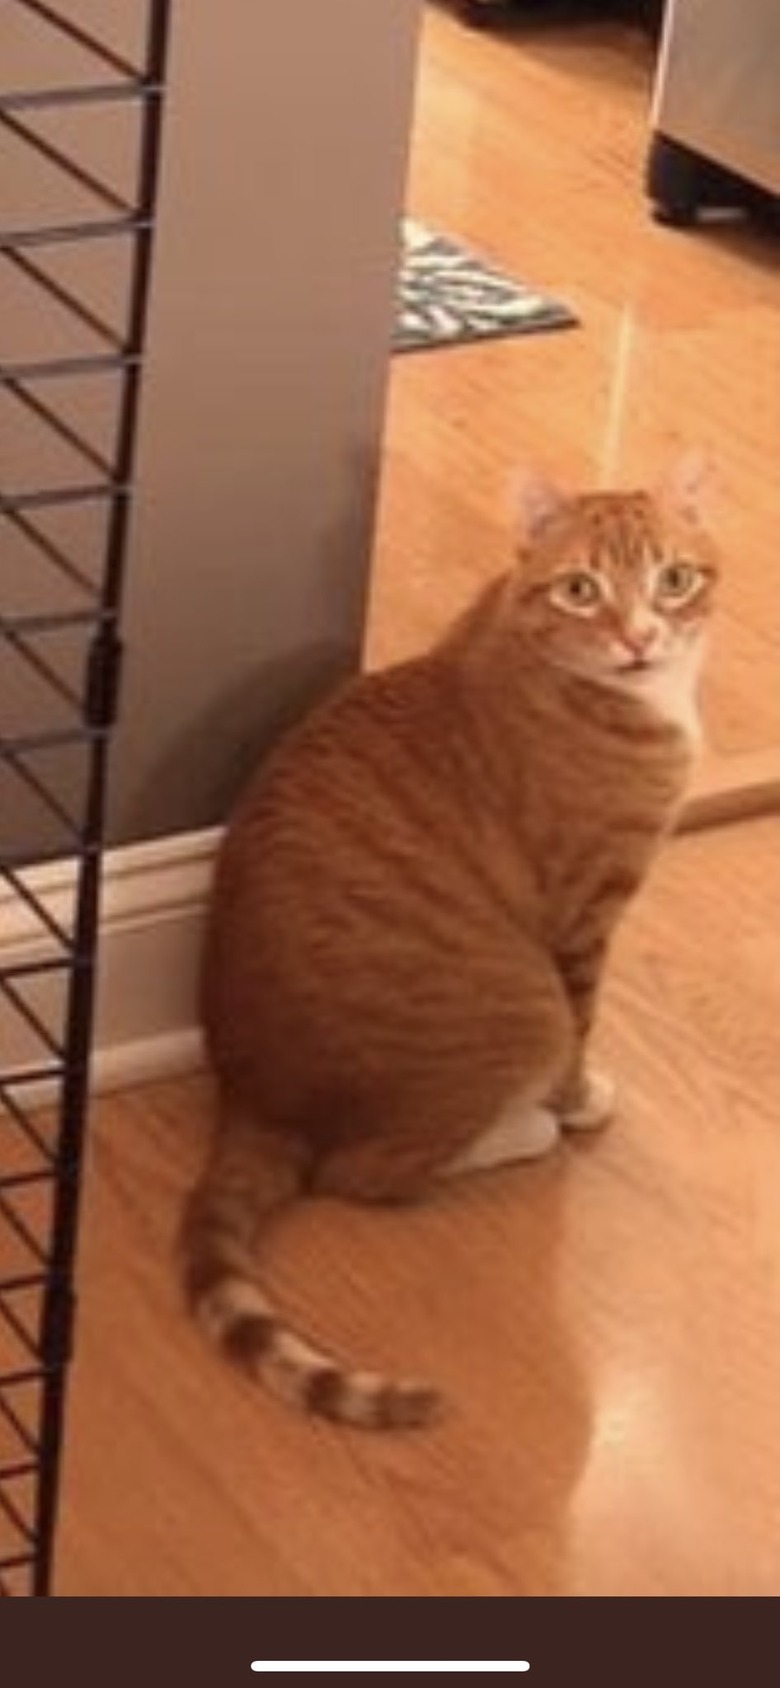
593	1107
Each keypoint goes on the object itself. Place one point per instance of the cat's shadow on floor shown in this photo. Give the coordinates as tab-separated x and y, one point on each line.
474	1291
466	1291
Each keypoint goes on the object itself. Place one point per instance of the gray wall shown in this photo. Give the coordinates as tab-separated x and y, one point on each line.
284	169
285	149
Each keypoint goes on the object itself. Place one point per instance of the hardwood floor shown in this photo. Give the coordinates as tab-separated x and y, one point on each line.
530	146
606	1323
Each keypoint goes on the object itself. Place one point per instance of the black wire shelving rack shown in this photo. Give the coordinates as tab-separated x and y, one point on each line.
63	527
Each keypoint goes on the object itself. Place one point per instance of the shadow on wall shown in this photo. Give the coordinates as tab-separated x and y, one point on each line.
202	765
246	722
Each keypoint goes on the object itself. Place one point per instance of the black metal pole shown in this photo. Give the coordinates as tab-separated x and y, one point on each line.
101	687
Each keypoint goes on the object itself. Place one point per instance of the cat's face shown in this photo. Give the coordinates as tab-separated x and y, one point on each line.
617	586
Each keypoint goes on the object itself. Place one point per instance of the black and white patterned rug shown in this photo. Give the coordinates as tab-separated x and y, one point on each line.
448	295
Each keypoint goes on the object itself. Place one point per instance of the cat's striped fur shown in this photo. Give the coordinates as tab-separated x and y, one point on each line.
415	896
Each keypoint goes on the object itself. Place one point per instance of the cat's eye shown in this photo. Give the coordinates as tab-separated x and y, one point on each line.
677	582
579	592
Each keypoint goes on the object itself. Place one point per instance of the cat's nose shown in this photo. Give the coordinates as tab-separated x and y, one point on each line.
639	639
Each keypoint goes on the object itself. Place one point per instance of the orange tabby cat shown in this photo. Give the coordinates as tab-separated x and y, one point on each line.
415	897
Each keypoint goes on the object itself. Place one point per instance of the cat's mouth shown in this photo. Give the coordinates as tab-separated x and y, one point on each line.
638	665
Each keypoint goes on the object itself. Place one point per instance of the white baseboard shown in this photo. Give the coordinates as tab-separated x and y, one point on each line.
152	913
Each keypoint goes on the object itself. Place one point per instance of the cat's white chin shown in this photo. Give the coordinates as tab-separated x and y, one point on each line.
667	685
642	665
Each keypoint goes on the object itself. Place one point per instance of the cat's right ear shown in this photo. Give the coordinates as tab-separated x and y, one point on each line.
536	500
690	485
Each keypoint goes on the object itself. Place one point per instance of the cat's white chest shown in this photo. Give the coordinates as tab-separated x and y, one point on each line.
670	691
672	695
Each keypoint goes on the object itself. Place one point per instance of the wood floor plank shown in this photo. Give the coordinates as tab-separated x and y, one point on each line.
733	788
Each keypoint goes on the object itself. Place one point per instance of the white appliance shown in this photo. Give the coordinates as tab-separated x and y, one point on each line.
716	109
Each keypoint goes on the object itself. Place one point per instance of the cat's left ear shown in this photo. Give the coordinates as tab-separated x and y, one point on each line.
536	500
689	486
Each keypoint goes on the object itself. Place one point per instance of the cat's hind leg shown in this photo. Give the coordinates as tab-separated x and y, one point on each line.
591	1105
520	1133
494	1045
404	1167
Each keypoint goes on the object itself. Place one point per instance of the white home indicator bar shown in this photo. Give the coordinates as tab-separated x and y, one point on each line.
391	1664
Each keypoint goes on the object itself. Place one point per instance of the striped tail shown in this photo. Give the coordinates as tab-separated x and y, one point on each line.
251	1176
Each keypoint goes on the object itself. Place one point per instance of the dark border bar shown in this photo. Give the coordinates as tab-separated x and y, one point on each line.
42	1322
